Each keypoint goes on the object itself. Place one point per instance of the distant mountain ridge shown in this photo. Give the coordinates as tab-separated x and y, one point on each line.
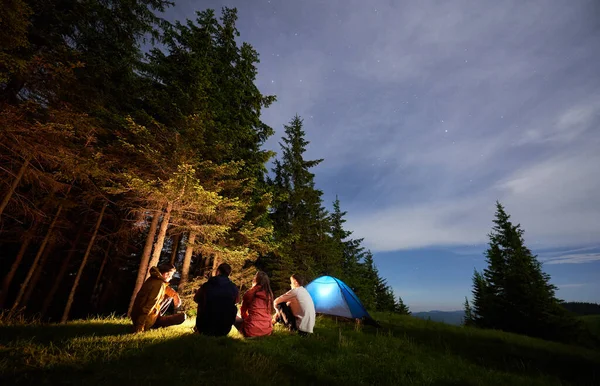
456	317
448	317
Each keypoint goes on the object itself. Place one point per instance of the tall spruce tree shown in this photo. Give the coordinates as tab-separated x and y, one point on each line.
209	82
385	300
357	266
485	308
468	318
301	223
176	137
401	308
345	253
513	293
369	281
376	294
58	81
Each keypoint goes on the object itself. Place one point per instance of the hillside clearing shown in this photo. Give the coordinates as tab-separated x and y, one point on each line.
405	351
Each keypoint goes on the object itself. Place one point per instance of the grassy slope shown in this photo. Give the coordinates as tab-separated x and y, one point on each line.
592	323
406	351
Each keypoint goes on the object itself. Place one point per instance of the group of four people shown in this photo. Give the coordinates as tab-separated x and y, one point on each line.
217	310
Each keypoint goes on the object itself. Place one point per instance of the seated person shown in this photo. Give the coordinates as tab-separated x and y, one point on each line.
216	303
155	292
171	297
257	308
295	308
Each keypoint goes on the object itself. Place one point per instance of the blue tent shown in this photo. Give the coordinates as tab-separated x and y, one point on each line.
333	297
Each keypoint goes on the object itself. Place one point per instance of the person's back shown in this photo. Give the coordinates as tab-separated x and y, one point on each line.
216	304
146	305
257	316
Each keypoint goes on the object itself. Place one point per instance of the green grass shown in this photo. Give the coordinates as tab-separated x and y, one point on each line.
406	351
592	323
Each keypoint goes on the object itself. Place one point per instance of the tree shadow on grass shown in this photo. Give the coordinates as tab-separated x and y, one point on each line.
572	364
46	333
184	360
283	359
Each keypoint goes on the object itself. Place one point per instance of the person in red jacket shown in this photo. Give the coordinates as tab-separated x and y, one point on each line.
257	308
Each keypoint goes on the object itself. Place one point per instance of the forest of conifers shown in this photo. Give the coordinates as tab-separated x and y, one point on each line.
114	158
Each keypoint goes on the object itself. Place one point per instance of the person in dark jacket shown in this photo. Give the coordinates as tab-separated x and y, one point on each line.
216	303
257	308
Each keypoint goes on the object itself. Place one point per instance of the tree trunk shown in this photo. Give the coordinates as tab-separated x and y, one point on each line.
106	292
145	258
35	260
14	185
215	265
205	266
176	241
82	266
95	288
37	274
187	259
121	248
13	269
63	269
160	239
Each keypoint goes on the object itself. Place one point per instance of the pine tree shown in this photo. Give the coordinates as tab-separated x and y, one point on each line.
208	81
375	293
401	308
513	293
484	306
301	223
177	138
369	281
385	300
351	250
468	318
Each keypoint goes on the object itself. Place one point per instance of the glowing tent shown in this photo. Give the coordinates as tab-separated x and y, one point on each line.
333	297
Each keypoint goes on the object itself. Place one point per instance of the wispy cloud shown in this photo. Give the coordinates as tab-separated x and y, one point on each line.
450	155
555	200
427	112
568	126
572	259
574	285
557	252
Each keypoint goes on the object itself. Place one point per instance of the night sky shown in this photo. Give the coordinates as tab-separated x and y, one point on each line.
426	112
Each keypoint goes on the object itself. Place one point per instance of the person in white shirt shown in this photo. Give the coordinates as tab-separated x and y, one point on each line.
295	308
